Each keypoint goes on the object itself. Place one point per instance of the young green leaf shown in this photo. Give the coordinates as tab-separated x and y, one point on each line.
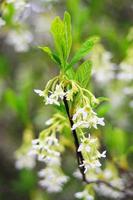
70	73
68	35
52	55
57	30
83	73
83	51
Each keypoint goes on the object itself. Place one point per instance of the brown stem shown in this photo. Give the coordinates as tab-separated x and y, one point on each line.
80	159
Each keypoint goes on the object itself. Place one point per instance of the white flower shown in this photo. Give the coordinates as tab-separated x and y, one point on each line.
25	161
49	122
52	100
107	191
20	40
102	155
52	179
55	96
89	149
59	92
81	124
86	118
39	92
83	147
84	195
2	22
91	165
81	111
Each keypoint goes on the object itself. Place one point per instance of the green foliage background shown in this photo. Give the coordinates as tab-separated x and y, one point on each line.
20	108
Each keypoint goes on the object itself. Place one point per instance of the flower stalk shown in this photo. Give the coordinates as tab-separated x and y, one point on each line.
80	158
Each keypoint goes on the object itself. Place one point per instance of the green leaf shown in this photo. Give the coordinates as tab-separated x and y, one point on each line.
102	99
68	35
61	32
70	73
83	51
83	73
57	30
52	55
116	141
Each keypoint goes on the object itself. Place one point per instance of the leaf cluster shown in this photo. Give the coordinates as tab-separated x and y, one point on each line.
62	36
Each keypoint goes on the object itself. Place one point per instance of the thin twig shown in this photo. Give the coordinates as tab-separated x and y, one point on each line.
80	159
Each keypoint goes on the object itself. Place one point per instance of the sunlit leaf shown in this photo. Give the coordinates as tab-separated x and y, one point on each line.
84	50
83	73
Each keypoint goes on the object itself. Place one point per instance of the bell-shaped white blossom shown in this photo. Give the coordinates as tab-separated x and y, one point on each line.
86	118
52	178
20	40
54	97
39	92
89	149
25	161
2	22
84	195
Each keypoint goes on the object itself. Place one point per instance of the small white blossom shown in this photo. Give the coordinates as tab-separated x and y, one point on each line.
52	99
55	96
39	92
84	195
25	161
2	22
102	155
59	92
52	179
49	122
89	149
20	40
86	118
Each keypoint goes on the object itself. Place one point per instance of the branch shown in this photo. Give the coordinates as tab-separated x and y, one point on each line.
80	159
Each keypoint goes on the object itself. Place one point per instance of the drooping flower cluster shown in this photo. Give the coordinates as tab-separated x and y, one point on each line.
57	94
52	178
48	150
54	97
86	118
84	195
19	39
22	156
2	22
89	149
110	174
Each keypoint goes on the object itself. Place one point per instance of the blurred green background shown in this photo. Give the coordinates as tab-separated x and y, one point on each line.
24	67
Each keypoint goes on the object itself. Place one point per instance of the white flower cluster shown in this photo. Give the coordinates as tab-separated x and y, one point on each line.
48	150
52	178
84	195
2	22
102	65
25	161
110	175
89	149
22	157
20	40
54	97
86	118
106	191
126	73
